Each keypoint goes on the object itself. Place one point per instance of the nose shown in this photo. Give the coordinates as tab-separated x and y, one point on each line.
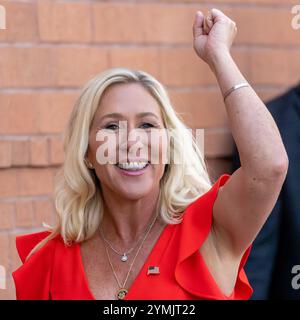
133	144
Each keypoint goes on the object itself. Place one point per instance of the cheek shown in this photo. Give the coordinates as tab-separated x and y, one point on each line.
106	174
158	151
93	146
158	171
91	151
106	151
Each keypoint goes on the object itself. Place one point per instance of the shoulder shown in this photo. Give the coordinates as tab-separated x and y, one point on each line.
197	218
192	271
207	199
25	243
33	278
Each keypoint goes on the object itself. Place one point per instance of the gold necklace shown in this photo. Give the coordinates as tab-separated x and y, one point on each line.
122	291
124	255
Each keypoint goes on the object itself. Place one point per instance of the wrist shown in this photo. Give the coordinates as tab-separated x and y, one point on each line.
219	60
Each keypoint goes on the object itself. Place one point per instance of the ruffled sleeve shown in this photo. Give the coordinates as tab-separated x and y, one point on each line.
32	279
191	272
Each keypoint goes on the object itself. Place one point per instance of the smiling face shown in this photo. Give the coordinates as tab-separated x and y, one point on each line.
127	106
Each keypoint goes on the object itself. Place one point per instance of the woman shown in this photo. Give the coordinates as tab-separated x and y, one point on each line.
133	229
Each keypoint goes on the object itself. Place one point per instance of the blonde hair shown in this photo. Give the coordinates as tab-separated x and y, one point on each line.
78	199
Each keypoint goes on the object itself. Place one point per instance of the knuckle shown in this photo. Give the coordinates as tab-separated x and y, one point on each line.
228	21
233	25
224	20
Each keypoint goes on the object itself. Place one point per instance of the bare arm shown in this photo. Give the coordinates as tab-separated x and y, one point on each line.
253	128
247	198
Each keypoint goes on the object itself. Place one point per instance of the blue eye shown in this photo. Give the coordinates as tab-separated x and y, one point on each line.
148	125
112	126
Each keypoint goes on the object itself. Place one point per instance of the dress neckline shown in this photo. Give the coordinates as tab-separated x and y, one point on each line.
140	273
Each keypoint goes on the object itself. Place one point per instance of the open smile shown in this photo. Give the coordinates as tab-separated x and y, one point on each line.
134	168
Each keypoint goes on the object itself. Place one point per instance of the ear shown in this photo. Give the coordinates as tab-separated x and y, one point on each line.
87	160
88	155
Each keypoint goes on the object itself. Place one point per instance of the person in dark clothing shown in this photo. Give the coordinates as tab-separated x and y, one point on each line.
276	250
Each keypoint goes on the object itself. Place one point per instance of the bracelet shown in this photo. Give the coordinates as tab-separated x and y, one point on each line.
237	86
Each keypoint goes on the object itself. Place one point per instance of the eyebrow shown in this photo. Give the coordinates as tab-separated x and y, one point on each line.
119	115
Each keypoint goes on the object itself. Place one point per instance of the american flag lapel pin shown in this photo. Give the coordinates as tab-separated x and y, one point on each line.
153	270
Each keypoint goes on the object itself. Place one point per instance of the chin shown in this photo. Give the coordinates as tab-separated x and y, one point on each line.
134	192
129	186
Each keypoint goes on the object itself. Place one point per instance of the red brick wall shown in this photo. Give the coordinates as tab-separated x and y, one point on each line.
51	48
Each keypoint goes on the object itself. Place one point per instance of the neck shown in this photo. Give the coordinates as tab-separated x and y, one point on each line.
124	220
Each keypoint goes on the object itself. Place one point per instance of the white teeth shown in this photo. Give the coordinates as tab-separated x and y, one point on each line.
132	165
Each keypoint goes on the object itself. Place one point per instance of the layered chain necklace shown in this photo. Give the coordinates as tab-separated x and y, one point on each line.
122	291
124	255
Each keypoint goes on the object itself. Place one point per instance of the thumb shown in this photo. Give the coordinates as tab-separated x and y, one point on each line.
198	24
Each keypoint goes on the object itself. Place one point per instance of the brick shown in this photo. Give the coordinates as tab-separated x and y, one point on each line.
117	22
278	74
20	152
5	154
24	214
7	211
54	110
14	256
20	22
15	260
220	2
266	95
182	67
75	66
36	181
200	108
9	293
43	212
218	143
173	24
26	182
255	66
146	59
49	67
64	22
242	59
293	68
4	249
9	182
18	113
53	49
56	150
27	67
27	113
39	151
205	108
257	25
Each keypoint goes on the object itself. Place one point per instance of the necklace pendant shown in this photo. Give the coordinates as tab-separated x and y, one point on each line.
121	293
124	257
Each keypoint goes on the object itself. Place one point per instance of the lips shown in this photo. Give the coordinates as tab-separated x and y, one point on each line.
133	168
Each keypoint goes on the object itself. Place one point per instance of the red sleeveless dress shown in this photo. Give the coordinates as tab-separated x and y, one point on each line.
56	272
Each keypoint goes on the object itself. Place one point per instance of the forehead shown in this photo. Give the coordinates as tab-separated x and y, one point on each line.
127	99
